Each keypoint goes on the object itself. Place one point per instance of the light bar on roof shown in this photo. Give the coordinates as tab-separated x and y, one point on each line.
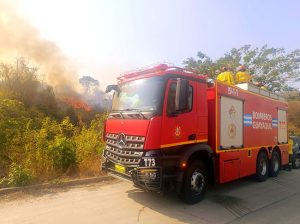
160	67
155	69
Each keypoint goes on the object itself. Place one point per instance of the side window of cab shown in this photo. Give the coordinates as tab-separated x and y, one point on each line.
171	100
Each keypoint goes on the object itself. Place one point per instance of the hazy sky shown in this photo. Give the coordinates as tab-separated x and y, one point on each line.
107	37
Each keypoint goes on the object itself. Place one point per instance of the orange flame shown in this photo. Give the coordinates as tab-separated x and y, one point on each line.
77	104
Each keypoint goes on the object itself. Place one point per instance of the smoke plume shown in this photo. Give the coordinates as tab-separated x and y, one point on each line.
19	38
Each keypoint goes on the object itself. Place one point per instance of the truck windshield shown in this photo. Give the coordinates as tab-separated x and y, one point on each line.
143	95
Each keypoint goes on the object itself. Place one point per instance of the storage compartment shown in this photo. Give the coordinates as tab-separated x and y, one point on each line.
282	127
231	169
231	123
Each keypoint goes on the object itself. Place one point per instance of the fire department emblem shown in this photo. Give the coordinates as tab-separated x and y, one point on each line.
232	112
177	131
231	130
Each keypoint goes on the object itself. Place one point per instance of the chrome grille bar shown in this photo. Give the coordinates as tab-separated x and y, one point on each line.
129	154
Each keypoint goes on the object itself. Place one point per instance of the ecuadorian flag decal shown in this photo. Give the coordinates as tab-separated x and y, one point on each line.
274	123
247	119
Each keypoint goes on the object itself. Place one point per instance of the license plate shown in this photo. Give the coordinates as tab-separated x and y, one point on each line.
119	168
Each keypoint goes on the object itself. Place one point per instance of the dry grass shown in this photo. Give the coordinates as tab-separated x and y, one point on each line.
89	167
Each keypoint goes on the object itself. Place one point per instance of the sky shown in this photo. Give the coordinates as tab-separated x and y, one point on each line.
108	37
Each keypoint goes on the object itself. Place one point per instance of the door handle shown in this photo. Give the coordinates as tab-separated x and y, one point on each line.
192	137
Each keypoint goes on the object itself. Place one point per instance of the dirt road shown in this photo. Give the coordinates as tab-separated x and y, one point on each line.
275	201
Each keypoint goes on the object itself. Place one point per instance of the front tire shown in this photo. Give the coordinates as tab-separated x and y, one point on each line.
274	164
194	183
262	167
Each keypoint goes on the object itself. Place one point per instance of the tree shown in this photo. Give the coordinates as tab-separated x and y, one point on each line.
204	65
272	66
93	95
89	84
20	80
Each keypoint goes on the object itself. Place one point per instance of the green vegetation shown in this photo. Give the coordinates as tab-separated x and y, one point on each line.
40	140
273	67
18	176
294	117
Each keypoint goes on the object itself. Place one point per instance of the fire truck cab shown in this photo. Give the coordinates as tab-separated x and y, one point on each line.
171	129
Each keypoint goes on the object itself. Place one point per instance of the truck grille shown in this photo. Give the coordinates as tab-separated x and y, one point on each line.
129	153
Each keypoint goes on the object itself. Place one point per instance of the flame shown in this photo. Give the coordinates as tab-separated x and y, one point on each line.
77	103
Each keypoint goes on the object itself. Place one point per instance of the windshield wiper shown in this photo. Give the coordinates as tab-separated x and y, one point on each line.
137	110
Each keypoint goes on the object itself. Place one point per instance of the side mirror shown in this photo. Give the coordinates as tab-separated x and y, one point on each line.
182	93
110	88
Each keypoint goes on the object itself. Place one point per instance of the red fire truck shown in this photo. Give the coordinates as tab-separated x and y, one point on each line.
172	129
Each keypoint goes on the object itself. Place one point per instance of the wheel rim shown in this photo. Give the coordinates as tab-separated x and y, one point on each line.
263	167
197	182
297	162
276	163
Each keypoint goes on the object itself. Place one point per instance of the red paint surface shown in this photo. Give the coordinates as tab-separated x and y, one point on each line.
127	126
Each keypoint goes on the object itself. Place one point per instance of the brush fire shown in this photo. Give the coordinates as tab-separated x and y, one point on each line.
77	103
50	120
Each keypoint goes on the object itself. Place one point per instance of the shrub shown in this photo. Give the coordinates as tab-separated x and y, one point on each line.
19	176
63	153
89	145
3	182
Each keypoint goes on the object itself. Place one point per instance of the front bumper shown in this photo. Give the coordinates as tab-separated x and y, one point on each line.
152	178
149	178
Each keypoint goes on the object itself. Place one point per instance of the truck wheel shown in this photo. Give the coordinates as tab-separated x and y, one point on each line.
262	164
194	183
274	164
296	162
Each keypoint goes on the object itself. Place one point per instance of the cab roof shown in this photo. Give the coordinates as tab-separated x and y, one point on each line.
159	70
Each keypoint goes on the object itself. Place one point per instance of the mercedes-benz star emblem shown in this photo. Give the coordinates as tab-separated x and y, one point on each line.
121	140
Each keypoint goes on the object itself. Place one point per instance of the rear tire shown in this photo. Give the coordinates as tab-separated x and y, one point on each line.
262	167
274	164
296	162
194	183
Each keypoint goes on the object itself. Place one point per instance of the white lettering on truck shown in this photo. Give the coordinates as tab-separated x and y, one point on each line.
262	120
233	91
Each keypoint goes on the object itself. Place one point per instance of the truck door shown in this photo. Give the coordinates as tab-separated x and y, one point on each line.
282	127
179	128
231	124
